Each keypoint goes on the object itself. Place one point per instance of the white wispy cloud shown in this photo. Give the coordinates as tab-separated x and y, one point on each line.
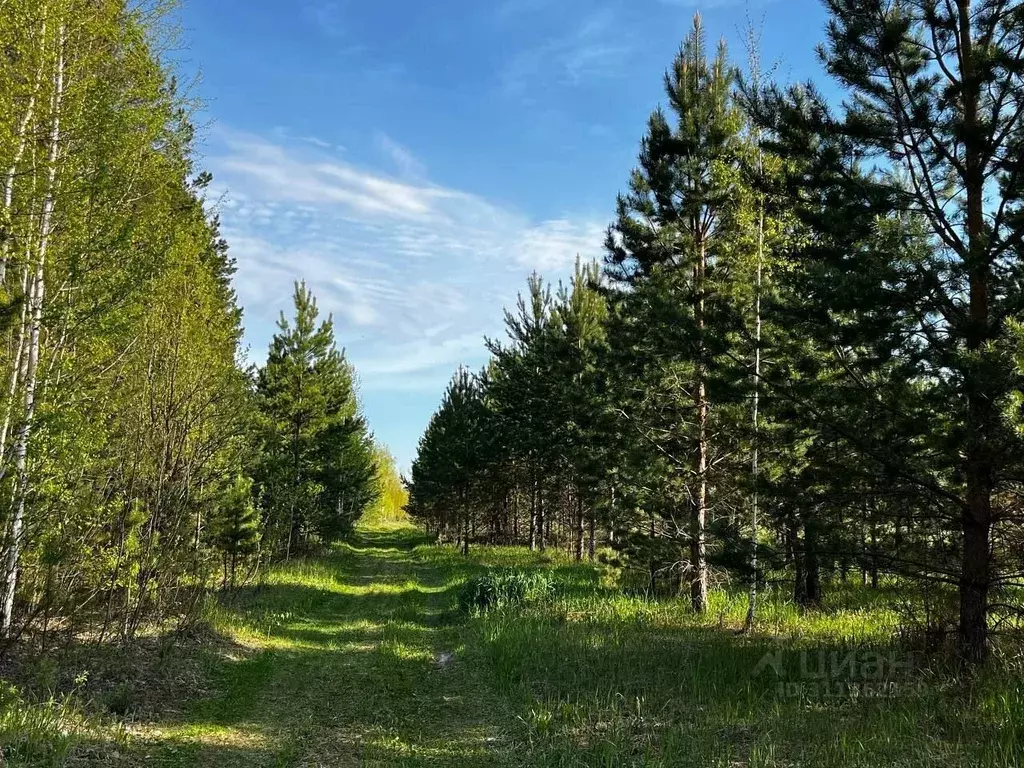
327	15
316	142
545	247
597	48
415	273
402	158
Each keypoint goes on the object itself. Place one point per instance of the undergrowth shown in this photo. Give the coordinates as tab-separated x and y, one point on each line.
390	650
46	733
505	589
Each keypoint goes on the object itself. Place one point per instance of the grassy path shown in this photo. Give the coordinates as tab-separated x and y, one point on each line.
354	659
360	658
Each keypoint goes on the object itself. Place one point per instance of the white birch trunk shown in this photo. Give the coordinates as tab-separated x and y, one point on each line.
13	545
17	373
21	137
698	544
754	468
753	43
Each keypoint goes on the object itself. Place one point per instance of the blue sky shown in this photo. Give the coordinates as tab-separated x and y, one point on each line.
414	161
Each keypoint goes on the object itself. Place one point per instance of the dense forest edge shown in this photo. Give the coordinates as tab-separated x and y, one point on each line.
143	458
144	462
799	361
744	492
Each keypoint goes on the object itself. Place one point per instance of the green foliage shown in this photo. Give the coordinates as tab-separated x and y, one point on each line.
801	359
316	468
128	422
238	522
392	494
907	283
505	589
42	735
450	457
237	527
124	409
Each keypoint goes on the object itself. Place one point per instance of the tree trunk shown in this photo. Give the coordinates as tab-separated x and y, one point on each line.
465	522
653	564
18	367
748	623
13	544
542	519
812	567
611	515
515	515
975	575
579	526
975	568
799	578
533	513
698	542
21	137
873	569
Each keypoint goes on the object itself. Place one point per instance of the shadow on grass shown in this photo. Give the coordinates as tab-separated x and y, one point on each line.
352	658
359	657
398	537
618	681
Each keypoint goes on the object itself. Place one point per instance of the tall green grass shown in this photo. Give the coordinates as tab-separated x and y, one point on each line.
46	733
505	590
610	679
390	650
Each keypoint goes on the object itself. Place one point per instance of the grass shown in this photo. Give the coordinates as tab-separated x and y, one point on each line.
364	657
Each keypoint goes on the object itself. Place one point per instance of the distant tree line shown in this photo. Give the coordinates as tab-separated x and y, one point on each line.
140	458
801	359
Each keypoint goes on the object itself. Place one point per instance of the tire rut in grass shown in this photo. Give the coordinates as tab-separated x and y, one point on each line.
398	692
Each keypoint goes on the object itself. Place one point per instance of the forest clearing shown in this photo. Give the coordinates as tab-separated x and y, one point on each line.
292	475
365	657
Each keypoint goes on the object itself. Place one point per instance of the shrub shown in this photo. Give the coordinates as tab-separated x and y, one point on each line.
505	589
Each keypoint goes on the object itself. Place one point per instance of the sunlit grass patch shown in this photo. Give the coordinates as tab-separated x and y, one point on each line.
361	656
615	679
243	737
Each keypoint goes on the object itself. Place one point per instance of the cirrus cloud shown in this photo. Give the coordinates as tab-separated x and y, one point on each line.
414	272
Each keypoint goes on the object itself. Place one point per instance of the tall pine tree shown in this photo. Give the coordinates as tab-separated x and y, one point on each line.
664	249
317	470
920	311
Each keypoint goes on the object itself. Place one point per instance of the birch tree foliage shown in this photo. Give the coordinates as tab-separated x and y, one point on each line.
124	408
